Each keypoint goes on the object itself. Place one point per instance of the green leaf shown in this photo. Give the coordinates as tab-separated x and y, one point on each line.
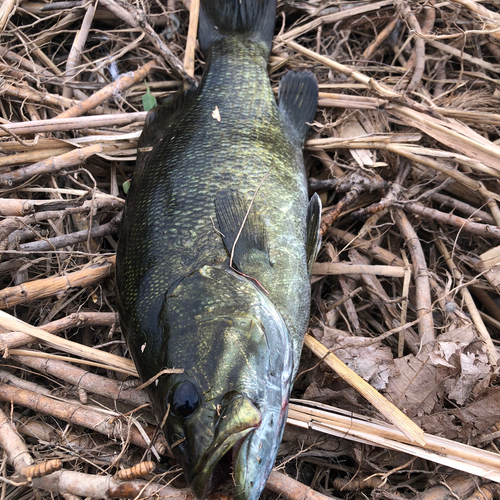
126	186
148	99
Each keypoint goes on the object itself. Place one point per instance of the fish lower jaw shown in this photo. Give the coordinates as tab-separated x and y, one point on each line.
218	470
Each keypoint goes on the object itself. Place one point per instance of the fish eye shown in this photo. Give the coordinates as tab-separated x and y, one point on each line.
184	399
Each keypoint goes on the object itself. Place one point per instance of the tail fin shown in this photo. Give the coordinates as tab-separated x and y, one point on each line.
221	18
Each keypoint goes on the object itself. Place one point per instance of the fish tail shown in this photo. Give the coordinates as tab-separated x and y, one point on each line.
221	19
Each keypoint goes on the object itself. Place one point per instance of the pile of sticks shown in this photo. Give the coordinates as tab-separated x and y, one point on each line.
405	154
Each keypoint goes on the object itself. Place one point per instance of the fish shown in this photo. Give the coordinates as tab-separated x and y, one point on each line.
215	253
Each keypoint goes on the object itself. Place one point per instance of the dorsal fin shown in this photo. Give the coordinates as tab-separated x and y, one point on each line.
298	99
251	246
159	118
313	241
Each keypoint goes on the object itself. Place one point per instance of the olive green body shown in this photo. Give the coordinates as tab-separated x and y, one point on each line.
169	228
181	306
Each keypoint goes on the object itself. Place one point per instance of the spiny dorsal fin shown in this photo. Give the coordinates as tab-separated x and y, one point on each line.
251	247
313	237
159	118
298	99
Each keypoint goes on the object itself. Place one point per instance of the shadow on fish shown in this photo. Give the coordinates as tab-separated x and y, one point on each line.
215	253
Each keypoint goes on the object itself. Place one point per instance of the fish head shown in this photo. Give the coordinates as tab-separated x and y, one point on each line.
227	411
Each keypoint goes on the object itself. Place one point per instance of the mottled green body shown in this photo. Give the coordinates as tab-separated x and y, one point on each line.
170	216
180	304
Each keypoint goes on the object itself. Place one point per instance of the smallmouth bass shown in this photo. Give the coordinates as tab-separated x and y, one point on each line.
216	249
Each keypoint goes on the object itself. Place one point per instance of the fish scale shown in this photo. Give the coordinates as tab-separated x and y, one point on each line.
207	186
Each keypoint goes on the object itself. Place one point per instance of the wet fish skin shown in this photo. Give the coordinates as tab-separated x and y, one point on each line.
237	334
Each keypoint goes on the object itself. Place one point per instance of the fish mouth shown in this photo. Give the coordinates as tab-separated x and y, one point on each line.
221	461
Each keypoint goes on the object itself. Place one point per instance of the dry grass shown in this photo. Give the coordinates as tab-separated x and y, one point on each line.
405	154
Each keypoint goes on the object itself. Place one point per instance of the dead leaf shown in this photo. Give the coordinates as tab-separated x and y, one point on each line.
367	357
216	114
417	385
483	413
474	367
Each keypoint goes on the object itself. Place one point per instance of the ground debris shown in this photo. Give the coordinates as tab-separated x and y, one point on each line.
405	155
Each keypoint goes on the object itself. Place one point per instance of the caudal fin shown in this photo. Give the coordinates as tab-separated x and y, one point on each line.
219	19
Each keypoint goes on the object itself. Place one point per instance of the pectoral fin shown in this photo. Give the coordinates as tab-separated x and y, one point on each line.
313	241
243	231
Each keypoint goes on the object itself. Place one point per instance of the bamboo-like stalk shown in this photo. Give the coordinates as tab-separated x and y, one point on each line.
420	276
16	325
123	83
61	124
189	57
341	268
51	165
334	421
10	297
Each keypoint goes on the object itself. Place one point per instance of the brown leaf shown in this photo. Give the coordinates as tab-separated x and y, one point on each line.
367	357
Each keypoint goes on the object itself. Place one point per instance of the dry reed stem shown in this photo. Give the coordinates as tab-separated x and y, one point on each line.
420	276
96	384
93	486
485	300
380	39
374	432
388	410
115	362
111	227
189	57
333	18
123	83
75	54
454	135
380	89
370	247
31	95
291	489
51	165
465	208
43	432
456	486
13	445
6	10
63	124
136	18
90	418
341	268
419	50
12	340
87	485
34	290
11	224
25	63
466	225
30	156
463	56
